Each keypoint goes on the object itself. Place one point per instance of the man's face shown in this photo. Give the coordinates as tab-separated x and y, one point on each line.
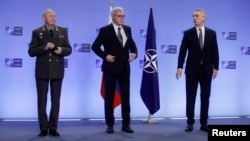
198	18
118	17
50	18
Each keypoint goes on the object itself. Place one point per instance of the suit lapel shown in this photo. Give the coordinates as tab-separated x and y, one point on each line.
126	33
44	32
112	29
56	33
196	38
206	37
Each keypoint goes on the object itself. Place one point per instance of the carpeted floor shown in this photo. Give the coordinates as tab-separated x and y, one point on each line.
164	129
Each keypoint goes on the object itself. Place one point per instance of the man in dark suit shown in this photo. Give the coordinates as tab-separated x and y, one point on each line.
202	65
49	44
119	49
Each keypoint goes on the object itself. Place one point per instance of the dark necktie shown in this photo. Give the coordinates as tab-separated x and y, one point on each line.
119	35
201	38
51	32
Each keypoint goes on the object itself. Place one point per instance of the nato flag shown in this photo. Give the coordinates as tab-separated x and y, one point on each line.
150	84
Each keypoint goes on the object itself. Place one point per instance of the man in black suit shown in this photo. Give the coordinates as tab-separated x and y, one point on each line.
202	65
49	44
119	49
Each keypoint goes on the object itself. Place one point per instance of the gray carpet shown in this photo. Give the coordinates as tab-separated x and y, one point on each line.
94	130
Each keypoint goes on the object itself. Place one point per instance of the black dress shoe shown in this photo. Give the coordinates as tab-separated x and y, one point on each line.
54	133
189	128
204	128
127	129
110	130
43	133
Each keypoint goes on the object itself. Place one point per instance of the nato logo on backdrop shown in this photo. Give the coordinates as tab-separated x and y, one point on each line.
13	62
245	50
65	63
81	47
98	63
228	64
229	35
169	49
14	31
143	33
141	63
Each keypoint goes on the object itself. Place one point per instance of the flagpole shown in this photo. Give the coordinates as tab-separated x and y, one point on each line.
150	119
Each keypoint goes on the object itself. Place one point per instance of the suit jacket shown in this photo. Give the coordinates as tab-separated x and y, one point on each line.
209	55
48	64
108	39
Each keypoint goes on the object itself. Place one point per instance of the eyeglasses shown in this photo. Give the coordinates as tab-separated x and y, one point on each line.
120	16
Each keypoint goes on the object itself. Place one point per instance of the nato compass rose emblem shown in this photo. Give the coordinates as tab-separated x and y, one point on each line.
150	61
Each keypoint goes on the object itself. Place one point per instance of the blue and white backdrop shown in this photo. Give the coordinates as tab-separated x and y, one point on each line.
81	87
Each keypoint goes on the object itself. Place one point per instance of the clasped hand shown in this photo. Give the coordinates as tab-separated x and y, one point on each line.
52	47
49	46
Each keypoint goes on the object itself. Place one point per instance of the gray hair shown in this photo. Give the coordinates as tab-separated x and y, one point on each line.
47	10
116	9
202	11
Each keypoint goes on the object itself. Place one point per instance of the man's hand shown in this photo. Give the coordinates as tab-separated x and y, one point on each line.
132	57
215	73
49	46
178	73
110	58
58	50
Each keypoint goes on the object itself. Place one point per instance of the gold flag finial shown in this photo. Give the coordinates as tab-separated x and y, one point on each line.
151	4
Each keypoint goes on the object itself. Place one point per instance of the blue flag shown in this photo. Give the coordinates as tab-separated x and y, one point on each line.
150	84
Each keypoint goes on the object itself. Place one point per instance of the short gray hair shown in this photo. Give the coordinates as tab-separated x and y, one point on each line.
202	11
116	9
47	10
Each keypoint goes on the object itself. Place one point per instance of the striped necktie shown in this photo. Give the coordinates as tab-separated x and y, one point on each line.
119	35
